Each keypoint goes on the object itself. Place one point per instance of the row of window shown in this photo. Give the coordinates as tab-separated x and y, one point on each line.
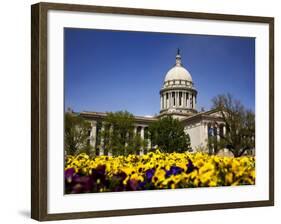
182	82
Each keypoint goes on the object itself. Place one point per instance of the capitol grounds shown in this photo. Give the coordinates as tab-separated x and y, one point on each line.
183	145
127	166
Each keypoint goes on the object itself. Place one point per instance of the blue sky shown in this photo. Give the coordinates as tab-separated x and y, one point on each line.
119	70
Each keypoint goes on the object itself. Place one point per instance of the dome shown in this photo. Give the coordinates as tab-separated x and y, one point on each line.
178	72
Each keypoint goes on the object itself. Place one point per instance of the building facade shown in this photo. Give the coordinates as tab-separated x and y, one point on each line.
178	98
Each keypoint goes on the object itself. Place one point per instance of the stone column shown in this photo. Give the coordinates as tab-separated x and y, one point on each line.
170	99
142	137
176	98
164	100
148	144
224	133
93	136
102	140
218	133
187	101
194	102
213	134
161	101
110	131
184	99
179	98
206	134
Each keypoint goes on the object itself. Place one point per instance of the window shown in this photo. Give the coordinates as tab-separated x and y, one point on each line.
167	100
186	98
139	130
215	131
215	139
221	130
146	134
180	96
210	130
98	134
97	151
174	98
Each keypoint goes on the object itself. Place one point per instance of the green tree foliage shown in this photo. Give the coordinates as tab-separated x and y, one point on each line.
76	134
239	124
118	134
168	134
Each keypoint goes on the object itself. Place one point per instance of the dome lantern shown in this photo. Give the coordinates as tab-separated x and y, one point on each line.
178	58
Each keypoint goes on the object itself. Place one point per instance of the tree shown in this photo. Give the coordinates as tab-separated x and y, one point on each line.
118	134
239	123
135	144
168	134
76	134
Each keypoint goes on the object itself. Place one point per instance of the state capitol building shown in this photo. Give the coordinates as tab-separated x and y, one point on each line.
178	98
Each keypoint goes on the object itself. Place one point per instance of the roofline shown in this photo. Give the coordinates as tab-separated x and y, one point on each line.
101	115
204	114
170	88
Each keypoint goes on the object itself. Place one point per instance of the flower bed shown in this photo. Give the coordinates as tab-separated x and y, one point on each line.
155	171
